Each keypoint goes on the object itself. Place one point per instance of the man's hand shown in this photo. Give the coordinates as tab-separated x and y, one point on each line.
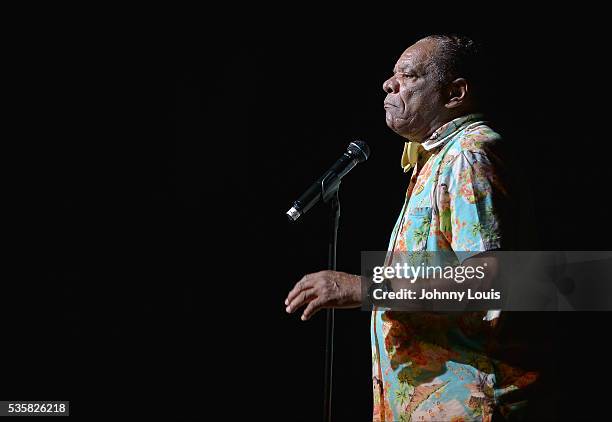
325	289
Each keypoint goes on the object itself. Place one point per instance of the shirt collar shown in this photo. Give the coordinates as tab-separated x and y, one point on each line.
445	132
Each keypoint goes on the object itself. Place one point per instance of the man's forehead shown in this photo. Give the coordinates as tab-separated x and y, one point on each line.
415	55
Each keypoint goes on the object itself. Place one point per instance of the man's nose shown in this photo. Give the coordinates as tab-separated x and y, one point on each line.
391	86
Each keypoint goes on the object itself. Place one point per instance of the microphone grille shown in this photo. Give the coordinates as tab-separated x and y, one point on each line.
360	150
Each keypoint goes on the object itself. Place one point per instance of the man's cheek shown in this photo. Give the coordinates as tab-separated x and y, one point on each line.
408	98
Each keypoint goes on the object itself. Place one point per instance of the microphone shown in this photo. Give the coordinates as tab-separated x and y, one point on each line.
326	185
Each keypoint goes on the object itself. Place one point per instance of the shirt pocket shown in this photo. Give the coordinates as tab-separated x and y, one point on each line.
418	222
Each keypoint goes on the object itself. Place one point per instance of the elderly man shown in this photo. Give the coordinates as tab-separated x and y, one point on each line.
434	365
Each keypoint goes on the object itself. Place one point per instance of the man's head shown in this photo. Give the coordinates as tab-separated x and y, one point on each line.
431	85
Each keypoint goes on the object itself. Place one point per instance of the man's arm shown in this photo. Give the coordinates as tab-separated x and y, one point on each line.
334	289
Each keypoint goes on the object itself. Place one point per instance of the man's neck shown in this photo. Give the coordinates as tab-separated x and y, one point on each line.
438	122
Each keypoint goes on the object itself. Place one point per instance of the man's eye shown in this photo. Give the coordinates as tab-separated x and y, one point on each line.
408	75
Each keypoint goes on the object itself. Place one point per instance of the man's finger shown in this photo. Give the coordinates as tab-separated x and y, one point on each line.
305	283
313	307
302	298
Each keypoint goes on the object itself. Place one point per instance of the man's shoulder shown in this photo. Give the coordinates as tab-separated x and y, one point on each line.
479	138
475	143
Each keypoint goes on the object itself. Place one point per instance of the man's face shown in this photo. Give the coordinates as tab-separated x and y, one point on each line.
414	100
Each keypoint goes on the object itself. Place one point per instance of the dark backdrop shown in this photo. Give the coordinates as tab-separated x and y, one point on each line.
164	156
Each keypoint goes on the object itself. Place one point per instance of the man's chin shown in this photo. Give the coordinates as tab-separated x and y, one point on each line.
399	126
401	131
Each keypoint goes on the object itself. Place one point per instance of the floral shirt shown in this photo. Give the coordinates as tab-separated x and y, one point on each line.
436	366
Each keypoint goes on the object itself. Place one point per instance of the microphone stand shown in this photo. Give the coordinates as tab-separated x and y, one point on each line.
327	191
331	197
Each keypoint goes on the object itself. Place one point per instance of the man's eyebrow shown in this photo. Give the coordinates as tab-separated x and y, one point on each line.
403	66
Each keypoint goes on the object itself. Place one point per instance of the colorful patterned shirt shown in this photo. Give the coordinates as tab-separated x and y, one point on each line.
437	366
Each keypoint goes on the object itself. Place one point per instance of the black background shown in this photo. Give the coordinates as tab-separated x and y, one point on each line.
158	157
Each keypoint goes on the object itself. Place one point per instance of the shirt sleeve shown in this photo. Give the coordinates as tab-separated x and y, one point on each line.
469	198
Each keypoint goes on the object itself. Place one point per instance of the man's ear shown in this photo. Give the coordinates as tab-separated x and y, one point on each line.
457	92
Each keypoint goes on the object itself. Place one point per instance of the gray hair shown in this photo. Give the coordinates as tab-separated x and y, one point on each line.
456	56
